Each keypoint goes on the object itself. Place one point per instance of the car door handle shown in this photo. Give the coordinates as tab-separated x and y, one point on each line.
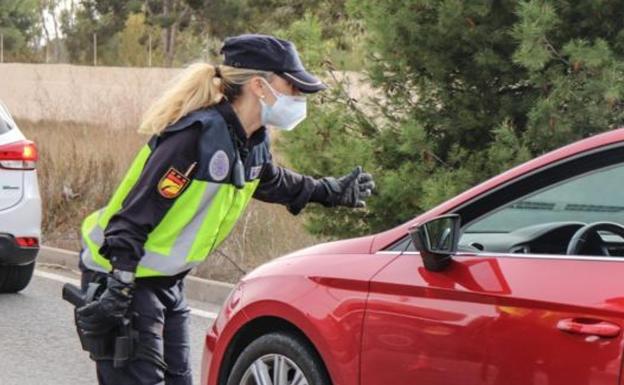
588	326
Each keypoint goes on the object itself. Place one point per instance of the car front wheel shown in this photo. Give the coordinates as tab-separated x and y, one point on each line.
14	278
278	359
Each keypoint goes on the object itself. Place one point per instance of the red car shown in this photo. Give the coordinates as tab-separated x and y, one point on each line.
518	281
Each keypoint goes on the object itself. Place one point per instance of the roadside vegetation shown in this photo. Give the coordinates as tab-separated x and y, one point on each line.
448	93
468	89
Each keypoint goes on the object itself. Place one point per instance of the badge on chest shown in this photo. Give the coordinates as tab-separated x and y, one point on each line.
219	166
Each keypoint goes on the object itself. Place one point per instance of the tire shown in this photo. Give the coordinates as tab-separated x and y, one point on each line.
14	278
279	349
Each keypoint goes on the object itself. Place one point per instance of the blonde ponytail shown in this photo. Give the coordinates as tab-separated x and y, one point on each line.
194	88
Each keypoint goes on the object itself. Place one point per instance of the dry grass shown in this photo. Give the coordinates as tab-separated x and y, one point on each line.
110	96
78	169
81	165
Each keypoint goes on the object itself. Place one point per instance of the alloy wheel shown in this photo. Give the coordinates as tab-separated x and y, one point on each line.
273	369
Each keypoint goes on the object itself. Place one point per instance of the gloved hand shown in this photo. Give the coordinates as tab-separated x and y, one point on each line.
350	190
106	313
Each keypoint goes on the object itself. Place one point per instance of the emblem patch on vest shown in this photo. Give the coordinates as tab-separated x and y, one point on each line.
172	183
219	166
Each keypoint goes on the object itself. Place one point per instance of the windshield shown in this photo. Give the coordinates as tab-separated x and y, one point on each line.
592	197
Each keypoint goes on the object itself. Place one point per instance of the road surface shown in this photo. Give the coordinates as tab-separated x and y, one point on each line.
38	343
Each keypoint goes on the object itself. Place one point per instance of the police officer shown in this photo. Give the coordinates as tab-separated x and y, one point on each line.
207	157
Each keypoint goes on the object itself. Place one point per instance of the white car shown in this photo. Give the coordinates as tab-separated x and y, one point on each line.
20	206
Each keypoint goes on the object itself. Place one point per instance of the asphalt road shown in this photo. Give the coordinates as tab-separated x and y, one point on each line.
38	343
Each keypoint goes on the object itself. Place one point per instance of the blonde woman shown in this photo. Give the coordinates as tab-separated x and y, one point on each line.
207	157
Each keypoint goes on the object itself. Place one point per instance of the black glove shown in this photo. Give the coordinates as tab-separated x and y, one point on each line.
106	312
350	190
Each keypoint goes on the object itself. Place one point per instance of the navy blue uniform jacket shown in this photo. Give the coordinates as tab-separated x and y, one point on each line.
144	207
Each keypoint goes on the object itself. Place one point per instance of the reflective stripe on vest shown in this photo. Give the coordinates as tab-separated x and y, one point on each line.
198	221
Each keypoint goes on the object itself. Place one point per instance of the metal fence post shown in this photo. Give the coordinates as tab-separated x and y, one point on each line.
95	49
1	48
149	60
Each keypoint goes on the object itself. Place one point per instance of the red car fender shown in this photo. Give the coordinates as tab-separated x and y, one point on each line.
337	355
218	339
333	323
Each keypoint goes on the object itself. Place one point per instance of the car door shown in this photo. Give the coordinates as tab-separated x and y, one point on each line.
519	311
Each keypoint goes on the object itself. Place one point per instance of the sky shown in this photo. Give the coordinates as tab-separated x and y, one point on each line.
48	19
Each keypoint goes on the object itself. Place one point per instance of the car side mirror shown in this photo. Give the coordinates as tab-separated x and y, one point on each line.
437	240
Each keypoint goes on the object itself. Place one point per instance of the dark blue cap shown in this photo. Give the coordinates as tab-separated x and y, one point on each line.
268	53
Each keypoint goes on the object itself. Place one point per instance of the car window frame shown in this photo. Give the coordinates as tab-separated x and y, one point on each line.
545	188
532	182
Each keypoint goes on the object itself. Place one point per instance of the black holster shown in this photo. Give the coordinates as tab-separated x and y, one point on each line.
120	345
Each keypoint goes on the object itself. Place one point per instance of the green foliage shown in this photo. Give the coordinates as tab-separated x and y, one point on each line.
468	89
536	21
187	30
307	33
133	41
18	22
105	18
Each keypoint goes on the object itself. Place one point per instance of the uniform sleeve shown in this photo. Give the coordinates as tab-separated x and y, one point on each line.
287	187
144	207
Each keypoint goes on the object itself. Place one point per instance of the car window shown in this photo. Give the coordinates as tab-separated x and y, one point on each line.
592	197
539	213
6	122
4	126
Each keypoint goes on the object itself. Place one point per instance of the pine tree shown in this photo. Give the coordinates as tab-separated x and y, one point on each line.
469	89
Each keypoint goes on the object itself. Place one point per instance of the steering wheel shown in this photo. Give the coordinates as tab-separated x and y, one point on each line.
590	233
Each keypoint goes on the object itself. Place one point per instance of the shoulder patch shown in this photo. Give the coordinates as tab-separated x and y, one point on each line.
172	183
219	166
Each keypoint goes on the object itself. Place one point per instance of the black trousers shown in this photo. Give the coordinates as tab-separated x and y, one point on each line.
164	335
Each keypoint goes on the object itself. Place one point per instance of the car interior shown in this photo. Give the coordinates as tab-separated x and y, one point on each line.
572	208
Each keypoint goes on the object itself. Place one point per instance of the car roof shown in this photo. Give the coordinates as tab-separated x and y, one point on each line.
384	239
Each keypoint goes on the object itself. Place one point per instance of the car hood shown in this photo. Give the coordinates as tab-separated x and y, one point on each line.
324	259
346	246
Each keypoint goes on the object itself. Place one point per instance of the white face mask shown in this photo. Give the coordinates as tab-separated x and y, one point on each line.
286	112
